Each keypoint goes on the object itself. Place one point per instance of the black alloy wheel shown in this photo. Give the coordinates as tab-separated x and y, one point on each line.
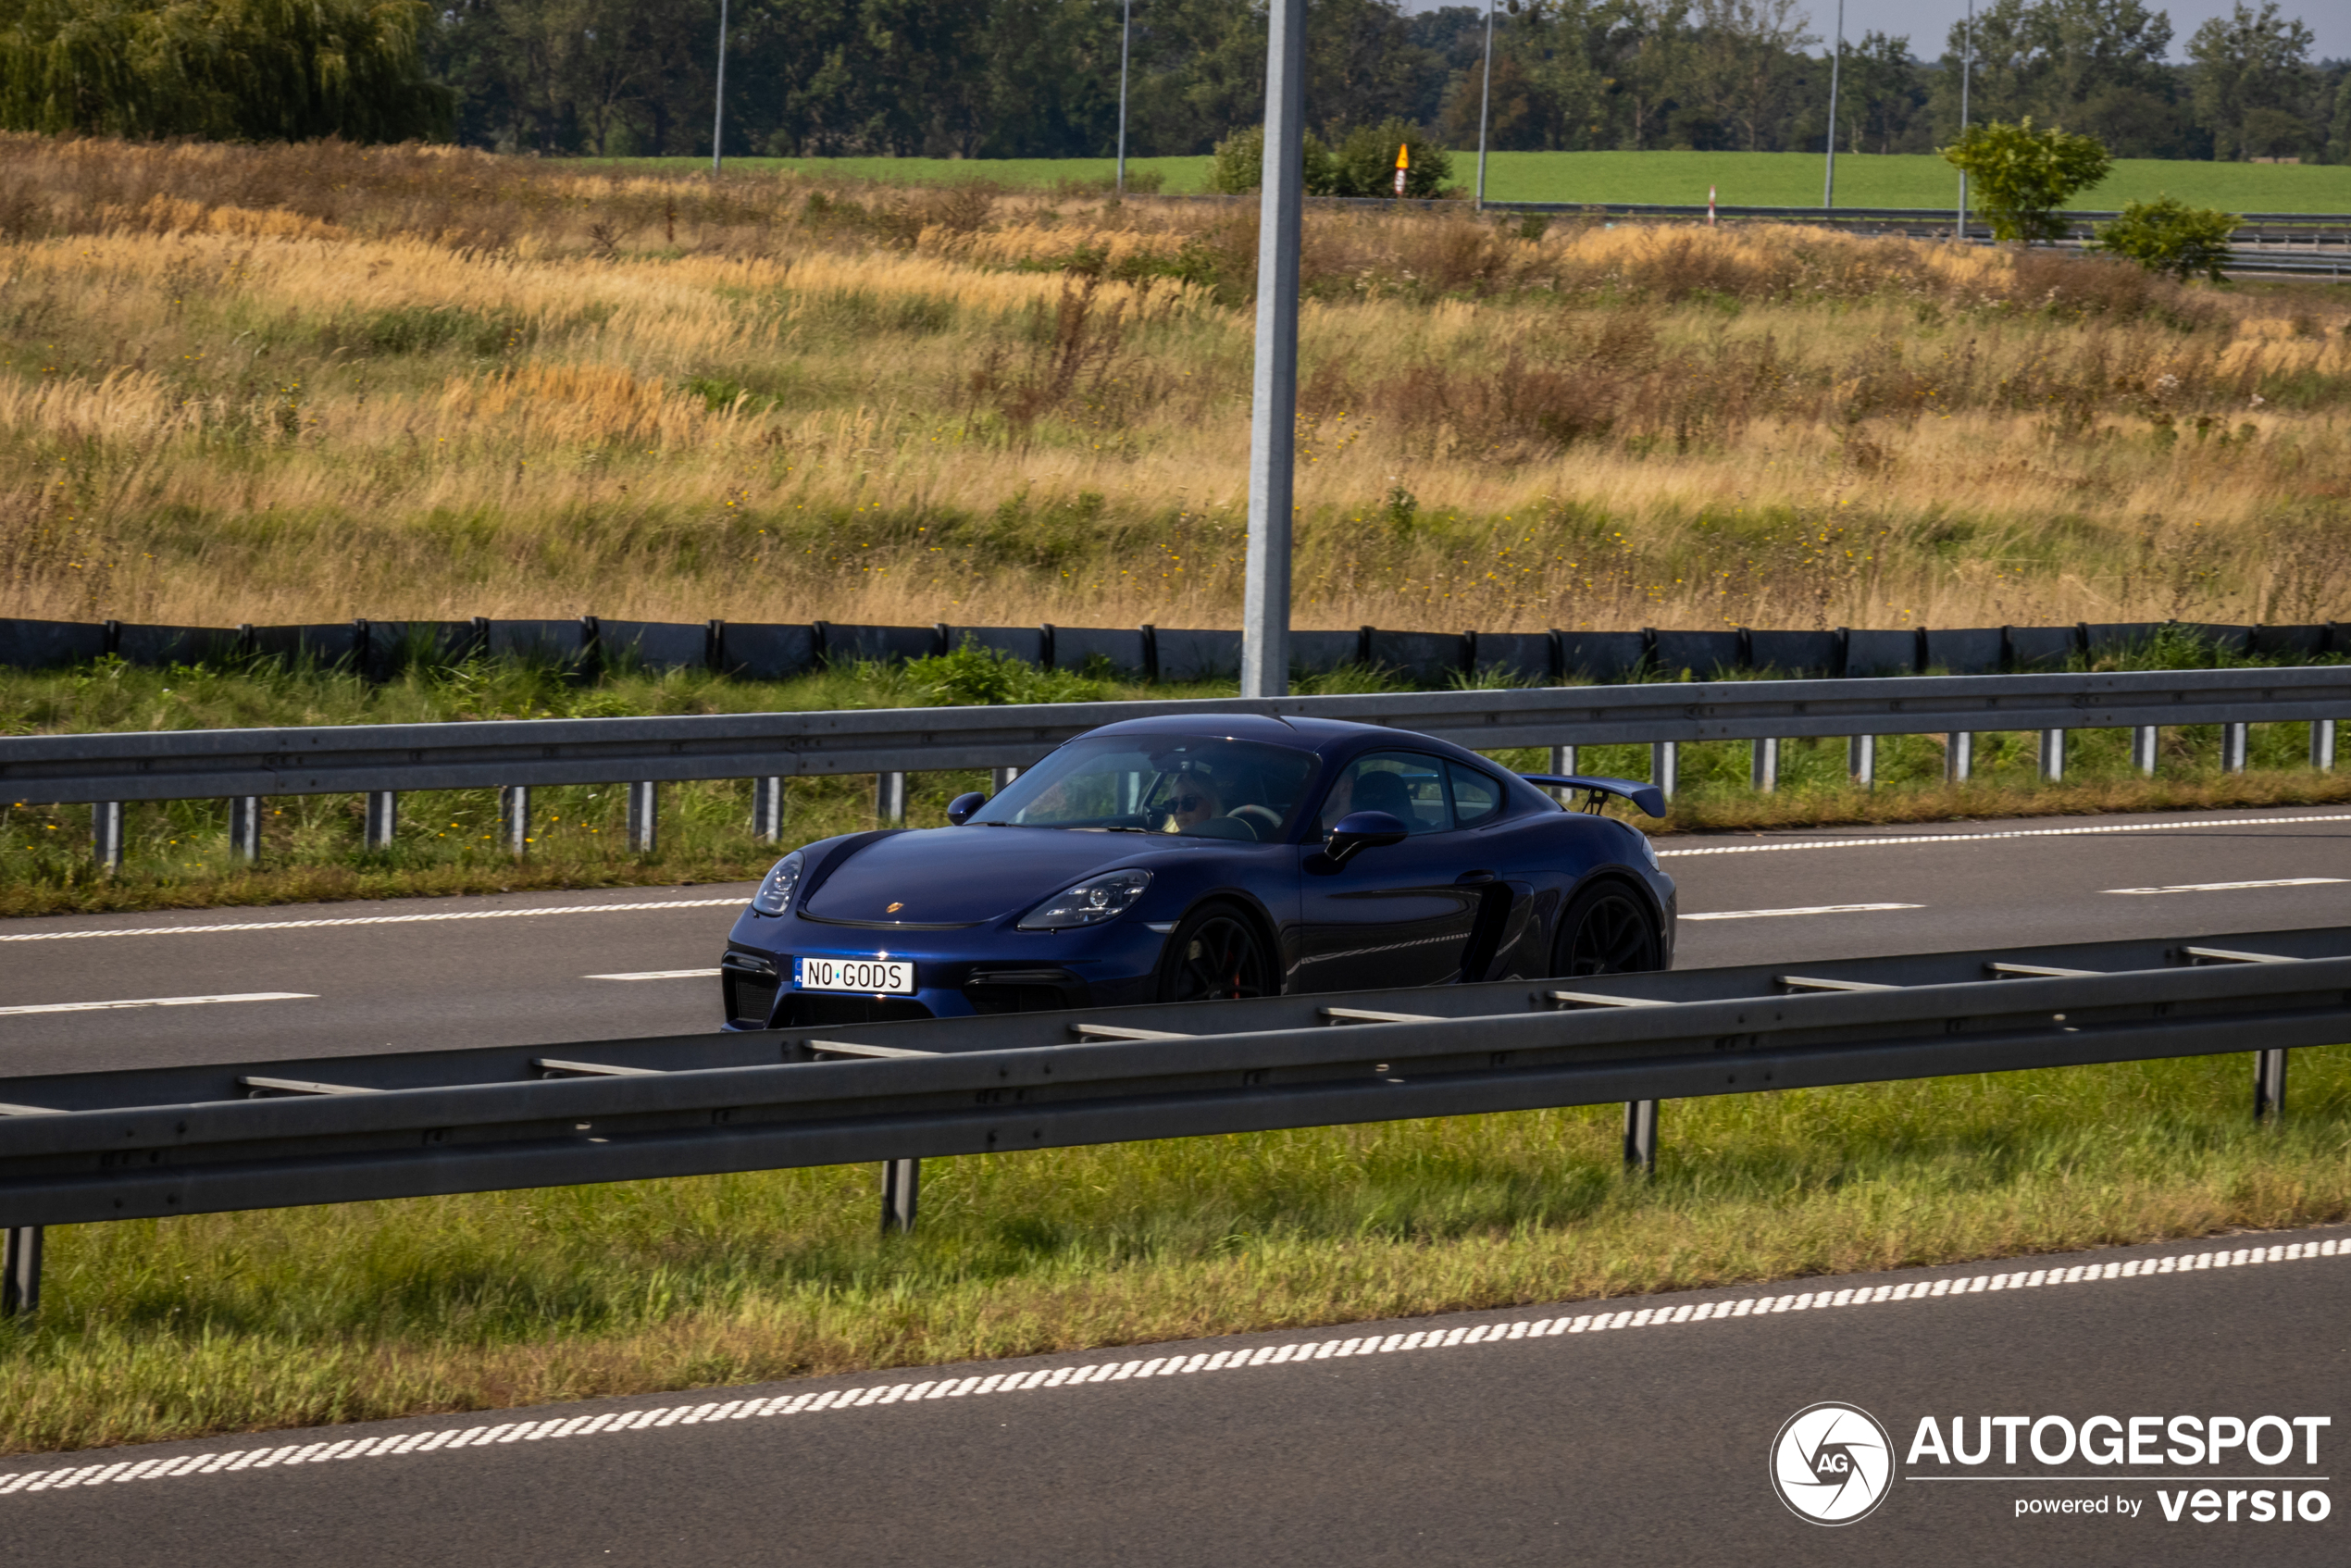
1214	955
1607	930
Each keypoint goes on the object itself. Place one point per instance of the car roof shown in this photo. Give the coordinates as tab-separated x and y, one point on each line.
1328	736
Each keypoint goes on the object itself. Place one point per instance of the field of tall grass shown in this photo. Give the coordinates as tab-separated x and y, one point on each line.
248	384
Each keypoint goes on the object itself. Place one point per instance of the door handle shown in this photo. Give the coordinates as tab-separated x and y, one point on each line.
1467	877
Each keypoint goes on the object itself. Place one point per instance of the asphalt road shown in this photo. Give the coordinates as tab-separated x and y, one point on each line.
328	979
1622	1432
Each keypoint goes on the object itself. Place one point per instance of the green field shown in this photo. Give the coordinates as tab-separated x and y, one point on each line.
1740	179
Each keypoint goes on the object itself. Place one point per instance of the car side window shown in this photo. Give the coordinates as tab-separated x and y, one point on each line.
1476	797
1409	787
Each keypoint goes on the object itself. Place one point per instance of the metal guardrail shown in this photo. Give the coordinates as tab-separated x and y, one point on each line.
247	765
148	1142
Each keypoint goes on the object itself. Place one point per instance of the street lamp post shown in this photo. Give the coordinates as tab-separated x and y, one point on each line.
1126	33
718	123
1485	99
1828	192
1967	68
1273	437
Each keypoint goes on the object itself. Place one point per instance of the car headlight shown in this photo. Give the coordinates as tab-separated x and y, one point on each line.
1091	903
774	895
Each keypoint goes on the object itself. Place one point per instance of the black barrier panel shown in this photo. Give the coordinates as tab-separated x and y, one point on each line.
40	644
2289	642
1793	652
751	650
175	644
2237	639
1973	650
329	642
1601	656
1025	643
1197	656
1430	658
2118	637
2041	647
657	645
880	644
1120	648
1521	656
1702	653
556	642
1316	652
1881	653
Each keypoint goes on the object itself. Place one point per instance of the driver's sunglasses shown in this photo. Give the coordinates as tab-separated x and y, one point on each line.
1188	802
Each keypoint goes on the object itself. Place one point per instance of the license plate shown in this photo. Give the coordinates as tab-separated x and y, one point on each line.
869	976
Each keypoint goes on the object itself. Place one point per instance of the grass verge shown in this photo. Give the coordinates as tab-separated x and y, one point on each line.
176	1328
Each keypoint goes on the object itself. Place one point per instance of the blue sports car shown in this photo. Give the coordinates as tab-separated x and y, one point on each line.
1197	856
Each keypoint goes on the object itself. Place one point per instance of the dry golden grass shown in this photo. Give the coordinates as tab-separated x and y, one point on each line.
307	384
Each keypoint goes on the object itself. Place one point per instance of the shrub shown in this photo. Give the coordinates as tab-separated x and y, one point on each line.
2021	178
2168	235
1363	163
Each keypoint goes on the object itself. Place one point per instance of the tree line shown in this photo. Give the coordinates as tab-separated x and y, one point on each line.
1039	78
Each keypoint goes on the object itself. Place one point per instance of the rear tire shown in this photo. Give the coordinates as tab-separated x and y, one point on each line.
1607	929
1215	953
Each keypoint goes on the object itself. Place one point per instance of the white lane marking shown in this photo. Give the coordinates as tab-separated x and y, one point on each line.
1815	909
2231	887
658	975
2009	833
159	1002
372	920
1179	1365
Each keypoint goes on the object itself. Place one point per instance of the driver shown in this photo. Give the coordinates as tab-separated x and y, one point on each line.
1192	800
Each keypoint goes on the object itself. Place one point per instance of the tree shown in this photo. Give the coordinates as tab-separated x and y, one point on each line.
2248	62
2100	64
242	70
2166	235
1886	91
1742	62
2021	178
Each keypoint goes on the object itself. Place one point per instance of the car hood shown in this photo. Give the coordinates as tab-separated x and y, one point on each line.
968	875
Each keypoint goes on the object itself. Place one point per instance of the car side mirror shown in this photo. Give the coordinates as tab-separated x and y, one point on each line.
1360	830
960	809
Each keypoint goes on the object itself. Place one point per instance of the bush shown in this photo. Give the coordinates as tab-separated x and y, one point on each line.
2021	178
1363	164
2168	235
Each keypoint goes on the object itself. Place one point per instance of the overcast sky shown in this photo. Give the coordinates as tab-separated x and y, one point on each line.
1928	22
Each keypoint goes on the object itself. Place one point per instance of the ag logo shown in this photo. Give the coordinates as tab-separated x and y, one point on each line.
1832	1463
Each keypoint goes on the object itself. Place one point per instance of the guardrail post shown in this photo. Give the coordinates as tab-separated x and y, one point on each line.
1640	1136
514	819
902	1185
106	834
890	797
1763	771
2232	738
19	1270
766	810
644	817
2323	744
1860	759
1665	765
2269	1084
1958	757
2142	744
999	777
244	827
1563	761
383	817
2052	754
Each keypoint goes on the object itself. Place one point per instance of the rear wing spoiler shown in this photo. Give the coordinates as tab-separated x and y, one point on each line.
1648	797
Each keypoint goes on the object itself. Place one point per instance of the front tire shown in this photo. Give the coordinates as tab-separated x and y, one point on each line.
1607	929
1215	953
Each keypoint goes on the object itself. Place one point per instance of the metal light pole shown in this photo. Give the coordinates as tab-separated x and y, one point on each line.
1272	436
1828	192
1485	98
718	124
1967	68
1125	32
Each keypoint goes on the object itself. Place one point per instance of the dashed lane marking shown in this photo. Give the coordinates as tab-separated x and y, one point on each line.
2231	887
159	1002
2010	833
658	975
1028	1380
1813	909
371	920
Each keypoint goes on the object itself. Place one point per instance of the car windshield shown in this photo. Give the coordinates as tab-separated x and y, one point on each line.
1193	785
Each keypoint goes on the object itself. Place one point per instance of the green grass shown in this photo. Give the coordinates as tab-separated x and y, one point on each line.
1902	179
174	1329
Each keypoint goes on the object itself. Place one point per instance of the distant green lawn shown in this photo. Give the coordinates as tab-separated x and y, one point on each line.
1740	179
